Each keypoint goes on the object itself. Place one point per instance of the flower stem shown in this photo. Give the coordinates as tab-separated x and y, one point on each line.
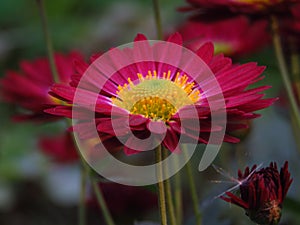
192	189
295	66
178	195
157	19
99	196
167	185
160	185
48	41
284	70
81	209
102	203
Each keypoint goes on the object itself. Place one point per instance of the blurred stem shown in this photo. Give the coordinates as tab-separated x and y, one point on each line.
295	65
99	196
295	69
192	188
48	41
168	190
160	186
284	70
102	203
157	19
178	194
82	211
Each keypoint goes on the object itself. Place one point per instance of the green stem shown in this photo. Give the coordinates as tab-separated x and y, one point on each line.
82	211
295	66
178	195
168	190
102	203
99	196
295	70
160	186
48	41
284	70
157	19
193	189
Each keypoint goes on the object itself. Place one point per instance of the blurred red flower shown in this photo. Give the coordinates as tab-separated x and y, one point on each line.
241	6
124	200
29	87
262	193
235	36
59	147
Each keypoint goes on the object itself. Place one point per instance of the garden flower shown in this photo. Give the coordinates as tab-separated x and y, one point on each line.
29	87
290	25
59	147
232	36
125	200
242	6
262	193
153	94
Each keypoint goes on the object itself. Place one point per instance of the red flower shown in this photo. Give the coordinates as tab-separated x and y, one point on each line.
262	193
29	88
125	200
232	36
59	147
291	24
242	6
143	91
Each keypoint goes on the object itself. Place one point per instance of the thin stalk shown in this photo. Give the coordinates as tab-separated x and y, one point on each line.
48	41
178	195
102	203
168	190
82	209
295	70
295	66
284	70
193	189
97	190
157	19
160	186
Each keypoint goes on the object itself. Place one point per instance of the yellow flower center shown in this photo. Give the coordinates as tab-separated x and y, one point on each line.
156	97
221	47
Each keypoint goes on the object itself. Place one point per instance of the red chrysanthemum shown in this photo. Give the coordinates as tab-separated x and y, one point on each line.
232	36
125	200
291	25
59	147
241	6
29	88
262	193
153	95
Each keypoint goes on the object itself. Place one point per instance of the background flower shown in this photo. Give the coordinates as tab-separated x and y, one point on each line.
262	193
232	36
244	6
29	87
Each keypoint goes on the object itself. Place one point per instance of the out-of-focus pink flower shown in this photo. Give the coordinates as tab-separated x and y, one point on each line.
59	147
232	36
123	200
29	87
241	6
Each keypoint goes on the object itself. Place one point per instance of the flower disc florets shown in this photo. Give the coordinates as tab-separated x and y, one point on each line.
156	97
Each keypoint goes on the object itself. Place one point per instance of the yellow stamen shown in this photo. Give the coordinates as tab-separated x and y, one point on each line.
157	97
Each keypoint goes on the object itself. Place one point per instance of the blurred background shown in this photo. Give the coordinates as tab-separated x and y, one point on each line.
34	190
